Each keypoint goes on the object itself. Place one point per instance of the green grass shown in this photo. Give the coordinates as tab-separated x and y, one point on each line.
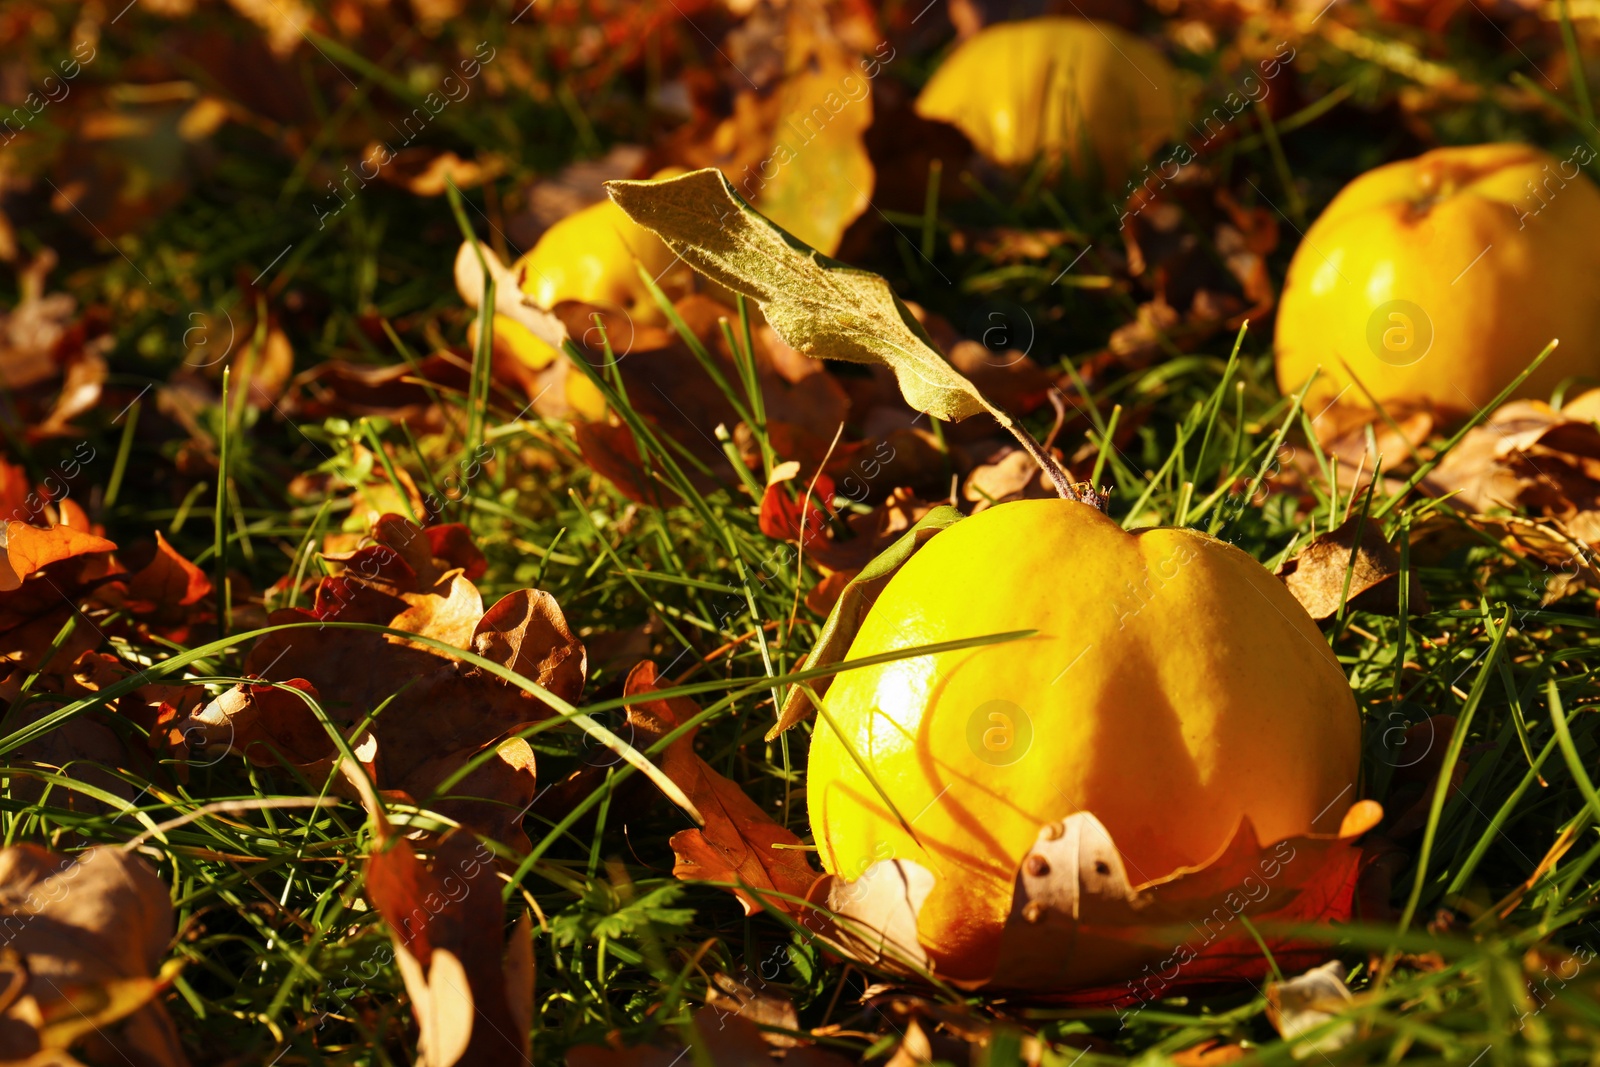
284	961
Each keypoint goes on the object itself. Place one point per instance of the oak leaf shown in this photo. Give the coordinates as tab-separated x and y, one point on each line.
1078	926
437	711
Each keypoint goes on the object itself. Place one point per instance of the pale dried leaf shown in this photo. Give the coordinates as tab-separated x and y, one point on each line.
1014	476
1316	576
1308	1002
880	911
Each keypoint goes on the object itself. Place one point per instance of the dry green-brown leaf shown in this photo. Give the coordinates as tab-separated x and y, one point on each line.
817	305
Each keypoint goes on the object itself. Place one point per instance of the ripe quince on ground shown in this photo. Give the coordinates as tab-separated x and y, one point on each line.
1436	280
1174	691
1061	88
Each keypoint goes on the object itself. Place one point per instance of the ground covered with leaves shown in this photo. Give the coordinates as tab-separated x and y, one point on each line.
379	692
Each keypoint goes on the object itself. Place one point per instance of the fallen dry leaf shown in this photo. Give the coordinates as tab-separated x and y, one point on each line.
756	1001
471	987
52	360
27	550
1078	925
1212	1052
609	449
46	574
871	534
787	495
437	711
1008	244
165	596
1306	1003
738	843
821	179
409	394
666	388
30	332
85	936
1015	475
86	745
1543	466
1316	576
794	140
270	725
425	171
1192	288
721	1036
472	261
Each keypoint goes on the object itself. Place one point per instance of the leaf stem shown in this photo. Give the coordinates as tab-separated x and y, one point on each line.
1065	488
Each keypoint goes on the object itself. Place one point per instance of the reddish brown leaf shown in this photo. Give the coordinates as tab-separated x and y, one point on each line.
470	990
526	632
266	724
610	451
29	549
452	543
738	842
1077	925
781	506
168	580
439	712
162	597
